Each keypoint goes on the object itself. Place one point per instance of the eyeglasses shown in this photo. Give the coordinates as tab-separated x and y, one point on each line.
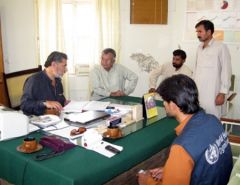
78	131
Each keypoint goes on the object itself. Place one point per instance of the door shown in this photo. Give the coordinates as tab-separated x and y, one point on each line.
3	94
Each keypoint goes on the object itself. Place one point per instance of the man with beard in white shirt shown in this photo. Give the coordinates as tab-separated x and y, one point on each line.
168	69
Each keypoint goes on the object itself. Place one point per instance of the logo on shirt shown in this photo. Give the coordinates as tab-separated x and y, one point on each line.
216	149
212	154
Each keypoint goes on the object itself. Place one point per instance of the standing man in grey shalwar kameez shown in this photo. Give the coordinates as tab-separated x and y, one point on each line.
111	79
213	70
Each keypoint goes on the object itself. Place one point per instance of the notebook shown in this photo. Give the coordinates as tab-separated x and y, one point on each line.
85	117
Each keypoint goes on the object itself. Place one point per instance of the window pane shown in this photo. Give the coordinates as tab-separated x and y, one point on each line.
79	31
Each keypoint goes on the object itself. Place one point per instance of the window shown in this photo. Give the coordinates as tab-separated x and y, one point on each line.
81	28
79	31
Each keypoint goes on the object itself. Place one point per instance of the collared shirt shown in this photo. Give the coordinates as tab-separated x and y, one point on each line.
104	82
166	70
179	165
37	89
212	74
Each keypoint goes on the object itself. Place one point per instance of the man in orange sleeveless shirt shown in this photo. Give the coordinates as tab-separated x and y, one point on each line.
201	153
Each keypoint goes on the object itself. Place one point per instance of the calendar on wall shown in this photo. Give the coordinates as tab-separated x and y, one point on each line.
224	14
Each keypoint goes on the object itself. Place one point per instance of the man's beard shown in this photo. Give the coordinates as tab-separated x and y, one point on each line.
200	39
177	66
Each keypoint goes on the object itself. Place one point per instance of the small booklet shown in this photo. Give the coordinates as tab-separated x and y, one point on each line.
45	120
149	105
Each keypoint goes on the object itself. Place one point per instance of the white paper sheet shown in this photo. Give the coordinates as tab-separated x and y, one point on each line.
62	129
32	128
100	148
79	106
96	105
75	106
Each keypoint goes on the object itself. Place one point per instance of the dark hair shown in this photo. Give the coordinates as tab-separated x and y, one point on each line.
181	90
208	25
180	53
56	57
110	50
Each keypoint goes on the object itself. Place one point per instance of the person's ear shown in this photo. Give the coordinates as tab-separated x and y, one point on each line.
53	63
113	60
209	32
172	105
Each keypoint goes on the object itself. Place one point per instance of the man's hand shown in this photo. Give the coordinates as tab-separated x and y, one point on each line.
152	90
53	105
142	178
118	93
220	99
156	173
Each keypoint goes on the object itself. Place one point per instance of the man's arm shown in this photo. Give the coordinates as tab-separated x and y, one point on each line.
97	87
132	78
178	168
226	72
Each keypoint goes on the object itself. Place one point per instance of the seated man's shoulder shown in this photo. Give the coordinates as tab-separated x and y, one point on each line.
39	76
187	68
121	67
96	67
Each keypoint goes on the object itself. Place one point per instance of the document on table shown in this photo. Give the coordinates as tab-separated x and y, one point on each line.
75	106
62	129
79	106
96	105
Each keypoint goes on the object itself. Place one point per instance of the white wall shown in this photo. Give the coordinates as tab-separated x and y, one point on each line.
18	34
161	40
148	39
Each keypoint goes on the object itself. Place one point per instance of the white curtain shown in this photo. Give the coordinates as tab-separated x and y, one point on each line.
108	29
108	25
50	31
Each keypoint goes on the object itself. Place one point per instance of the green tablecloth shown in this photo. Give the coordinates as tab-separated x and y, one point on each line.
79	166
